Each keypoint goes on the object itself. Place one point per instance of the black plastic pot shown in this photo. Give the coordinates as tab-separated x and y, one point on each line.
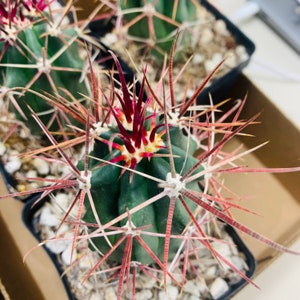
220	88
30	221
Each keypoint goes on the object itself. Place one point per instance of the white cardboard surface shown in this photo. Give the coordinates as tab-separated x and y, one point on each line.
273	62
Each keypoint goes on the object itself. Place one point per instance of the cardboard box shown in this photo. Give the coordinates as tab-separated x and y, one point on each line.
85	8
275	197
37	278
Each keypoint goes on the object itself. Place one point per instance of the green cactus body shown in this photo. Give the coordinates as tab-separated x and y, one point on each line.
137	139
31	47
164	31
115	193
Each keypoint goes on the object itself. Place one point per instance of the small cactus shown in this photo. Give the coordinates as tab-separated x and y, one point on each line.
157	23
138	142
144	32
39	52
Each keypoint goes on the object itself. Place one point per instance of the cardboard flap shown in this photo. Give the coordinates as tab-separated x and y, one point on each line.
37	278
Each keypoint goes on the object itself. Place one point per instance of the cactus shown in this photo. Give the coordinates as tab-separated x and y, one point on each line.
143	149
157	22
145	30
40	53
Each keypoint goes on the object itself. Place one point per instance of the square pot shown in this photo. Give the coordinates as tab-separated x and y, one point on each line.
219	86
275	197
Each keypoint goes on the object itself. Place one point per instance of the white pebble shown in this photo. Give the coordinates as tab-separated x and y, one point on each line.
57	246
63	229
220	27
41	166
110	294
230	61
95	296
85	263
65	169
239	263
34	185
144	294
218	288
209	65
13	165
211	271
217	57
24	133
240	50
201	285
85	285
233	248
47	218
197	59
69	255
171	293
145	282
31	174
222	248
206	36
192	288
242	53
45	183
109	39
62	200
2	148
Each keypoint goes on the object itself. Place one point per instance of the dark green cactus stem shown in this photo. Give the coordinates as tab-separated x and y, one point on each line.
19	74
115	193
164	31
